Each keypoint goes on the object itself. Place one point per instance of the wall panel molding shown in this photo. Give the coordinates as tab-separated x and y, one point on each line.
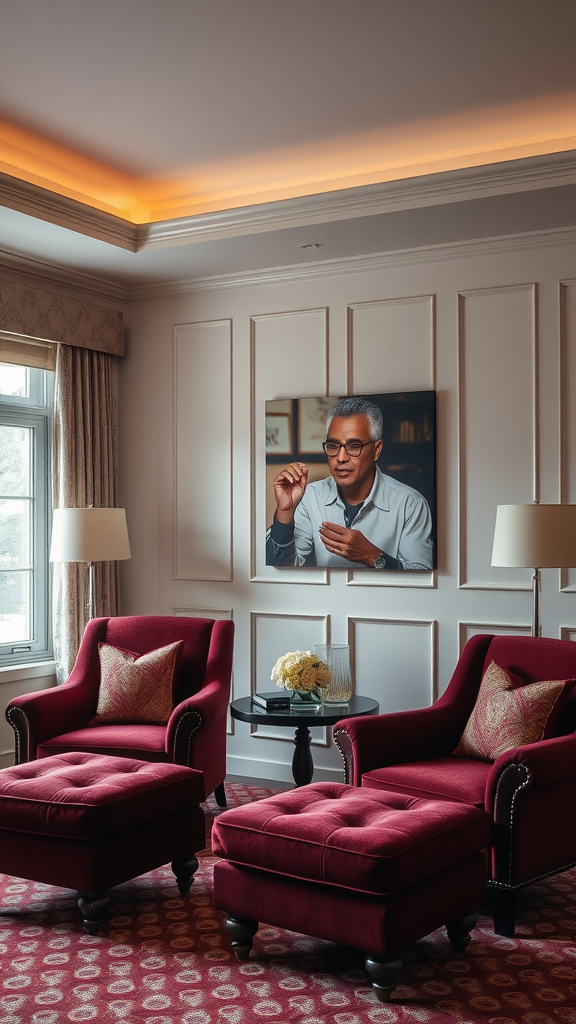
391	346
469	629
203	474
286	632
498	423
404	653
288	359
567	315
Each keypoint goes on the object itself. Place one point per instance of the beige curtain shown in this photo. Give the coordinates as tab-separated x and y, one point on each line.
84	473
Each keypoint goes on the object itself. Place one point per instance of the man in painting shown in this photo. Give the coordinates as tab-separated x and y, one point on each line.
358	517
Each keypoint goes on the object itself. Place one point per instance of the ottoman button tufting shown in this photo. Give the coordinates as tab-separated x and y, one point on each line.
344	864
90	822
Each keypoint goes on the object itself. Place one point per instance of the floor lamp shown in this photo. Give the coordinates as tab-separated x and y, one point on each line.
535	537
89	535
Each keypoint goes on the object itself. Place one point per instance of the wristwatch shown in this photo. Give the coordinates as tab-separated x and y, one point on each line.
380	562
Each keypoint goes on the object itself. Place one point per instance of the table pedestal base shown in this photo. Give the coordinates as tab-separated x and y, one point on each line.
302	763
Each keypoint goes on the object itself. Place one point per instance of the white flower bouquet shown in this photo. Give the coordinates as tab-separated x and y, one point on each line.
302	672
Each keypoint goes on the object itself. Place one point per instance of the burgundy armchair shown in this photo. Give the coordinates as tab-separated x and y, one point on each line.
56	721
529	791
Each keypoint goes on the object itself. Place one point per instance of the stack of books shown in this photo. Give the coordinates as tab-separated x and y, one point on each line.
274	701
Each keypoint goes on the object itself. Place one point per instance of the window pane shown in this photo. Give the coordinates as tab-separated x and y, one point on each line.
15	534
14	380
14	460
15	606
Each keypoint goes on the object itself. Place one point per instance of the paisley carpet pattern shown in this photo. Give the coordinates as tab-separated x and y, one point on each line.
164	959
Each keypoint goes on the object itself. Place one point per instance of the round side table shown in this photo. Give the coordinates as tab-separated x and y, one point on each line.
300	719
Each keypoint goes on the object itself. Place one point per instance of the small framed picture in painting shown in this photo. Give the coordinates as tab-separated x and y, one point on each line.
312	424
278	433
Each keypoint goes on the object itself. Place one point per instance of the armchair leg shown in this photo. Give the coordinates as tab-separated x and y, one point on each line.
504	910
220	795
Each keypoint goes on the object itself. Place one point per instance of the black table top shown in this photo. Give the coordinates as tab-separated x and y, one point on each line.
245	711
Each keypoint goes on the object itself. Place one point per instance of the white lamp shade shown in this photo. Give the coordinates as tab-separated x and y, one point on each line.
535	536
89	535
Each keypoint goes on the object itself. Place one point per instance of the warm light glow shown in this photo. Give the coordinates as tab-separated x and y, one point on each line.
486	136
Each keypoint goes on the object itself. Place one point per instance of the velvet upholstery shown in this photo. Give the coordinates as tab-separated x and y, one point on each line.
90	796
527	791
58	720
89	822
382	925
362	867
373	842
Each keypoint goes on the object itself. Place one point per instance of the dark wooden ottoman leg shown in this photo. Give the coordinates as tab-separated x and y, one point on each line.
241	930
94	910
383	975
458	930
184	869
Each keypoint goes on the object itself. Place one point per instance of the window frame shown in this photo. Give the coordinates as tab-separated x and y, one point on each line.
35	412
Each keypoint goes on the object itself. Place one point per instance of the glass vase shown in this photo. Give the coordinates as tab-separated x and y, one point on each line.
337	657
309	700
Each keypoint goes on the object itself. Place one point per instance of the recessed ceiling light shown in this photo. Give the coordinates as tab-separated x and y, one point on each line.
310	245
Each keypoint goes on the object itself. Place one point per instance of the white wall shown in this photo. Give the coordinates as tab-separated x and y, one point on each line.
14	682
491	327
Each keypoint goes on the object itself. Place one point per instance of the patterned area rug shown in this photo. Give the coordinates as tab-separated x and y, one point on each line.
165	959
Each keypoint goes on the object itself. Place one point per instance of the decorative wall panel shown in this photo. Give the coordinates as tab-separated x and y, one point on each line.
203	451
391	347
568	405
273	635
469	629
394	661
289	359
498	423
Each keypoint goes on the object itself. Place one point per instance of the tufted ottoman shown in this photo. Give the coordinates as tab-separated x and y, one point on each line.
362	867
89	822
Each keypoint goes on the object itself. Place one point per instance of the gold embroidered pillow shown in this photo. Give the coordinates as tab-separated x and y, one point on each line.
137	688
510	713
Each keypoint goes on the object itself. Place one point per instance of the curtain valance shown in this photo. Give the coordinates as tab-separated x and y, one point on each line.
41	315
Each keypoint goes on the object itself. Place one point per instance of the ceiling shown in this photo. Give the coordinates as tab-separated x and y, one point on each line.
146	142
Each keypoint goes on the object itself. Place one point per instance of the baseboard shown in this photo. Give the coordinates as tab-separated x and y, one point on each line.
276	770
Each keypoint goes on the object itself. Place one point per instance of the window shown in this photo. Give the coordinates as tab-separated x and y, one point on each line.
25	405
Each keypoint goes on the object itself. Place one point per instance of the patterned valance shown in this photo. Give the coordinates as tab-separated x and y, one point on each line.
51	317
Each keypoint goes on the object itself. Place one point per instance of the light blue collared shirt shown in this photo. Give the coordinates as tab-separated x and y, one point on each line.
395	518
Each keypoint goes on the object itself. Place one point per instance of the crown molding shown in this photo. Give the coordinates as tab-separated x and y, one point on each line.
25	270
528	174
367	200
359	264
66	213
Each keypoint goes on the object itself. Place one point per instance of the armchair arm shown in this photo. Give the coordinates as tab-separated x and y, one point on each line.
380	740
196	735
528	792
534	765
39	716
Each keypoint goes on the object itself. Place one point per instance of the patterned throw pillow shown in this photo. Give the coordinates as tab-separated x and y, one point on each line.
137	688
509	713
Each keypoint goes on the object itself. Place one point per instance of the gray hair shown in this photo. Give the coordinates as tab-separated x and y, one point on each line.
357	407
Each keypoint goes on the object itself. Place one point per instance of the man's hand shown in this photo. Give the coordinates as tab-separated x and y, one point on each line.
350	544
289	486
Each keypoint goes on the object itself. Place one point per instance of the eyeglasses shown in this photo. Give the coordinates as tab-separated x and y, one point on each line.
353	448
